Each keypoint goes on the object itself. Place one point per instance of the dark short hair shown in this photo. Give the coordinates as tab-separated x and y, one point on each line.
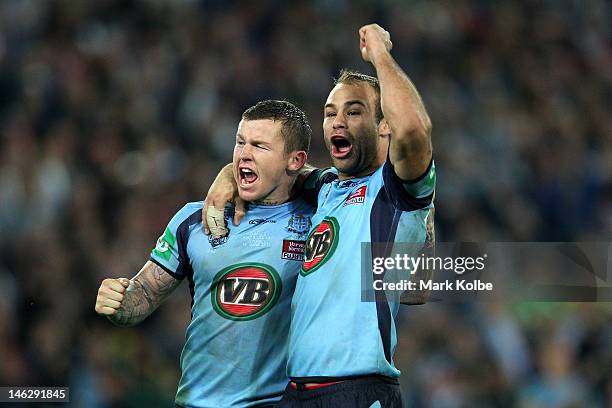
349	77
295	128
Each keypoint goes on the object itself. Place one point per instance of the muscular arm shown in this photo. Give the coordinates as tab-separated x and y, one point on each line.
410	148
147	290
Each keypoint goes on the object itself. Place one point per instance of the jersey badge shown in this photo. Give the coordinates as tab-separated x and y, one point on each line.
299	224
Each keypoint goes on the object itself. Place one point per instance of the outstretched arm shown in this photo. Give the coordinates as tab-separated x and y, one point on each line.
410	148
127	302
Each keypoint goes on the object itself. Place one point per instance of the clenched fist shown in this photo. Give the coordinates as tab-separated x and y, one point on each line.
374	41
110	295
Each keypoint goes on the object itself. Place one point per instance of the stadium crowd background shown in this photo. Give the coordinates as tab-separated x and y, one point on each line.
114	113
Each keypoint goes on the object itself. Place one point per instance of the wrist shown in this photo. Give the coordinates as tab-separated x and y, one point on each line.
118	320
381	57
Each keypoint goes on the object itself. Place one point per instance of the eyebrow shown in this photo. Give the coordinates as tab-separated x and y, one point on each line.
253	140
347	103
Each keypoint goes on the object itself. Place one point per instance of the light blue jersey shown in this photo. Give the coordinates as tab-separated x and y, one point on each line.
334	333
235	351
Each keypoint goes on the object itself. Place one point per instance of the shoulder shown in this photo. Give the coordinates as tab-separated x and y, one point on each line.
322	176
302	206
190	213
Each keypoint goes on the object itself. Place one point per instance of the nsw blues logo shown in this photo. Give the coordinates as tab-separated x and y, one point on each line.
299	224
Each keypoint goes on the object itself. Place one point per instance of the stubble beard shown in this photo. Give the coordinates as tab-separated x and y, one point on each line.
362	155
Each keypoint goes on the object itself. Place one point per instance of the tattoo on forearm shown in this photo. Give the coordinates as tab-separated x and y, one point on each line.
149	288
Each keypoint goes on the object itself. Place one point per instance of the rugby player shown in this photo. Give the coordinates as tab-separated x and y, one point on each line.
380	189
241	284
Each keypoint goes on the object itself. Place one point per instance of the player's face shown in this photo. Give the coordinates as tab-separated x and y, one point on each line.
260	162
350	129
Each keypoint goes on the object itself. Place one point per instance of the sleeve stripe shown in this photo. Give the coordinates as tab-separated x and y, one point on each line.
421	177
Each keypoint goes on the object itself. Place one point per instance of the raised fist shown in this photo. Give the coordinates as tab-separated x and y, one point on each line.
374	41
110	295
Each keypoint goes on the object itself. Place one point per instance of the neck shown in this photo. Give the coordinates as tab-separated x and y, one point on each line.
366	172
266	201
278	195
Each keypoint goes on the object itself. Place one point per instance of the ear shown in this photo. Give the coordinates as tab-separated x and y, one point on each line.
384	129
296	160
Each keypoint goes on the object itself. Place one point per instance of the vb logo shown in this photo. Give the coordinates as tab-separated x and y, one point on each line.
320	245
245	291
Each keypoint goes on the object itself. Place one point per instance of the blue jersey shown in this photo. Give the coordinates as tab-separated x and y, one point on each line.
333	332
235	351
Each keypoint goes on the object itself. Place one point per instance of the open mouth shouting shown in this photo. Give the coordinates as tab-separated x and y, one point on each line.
340	147
246	176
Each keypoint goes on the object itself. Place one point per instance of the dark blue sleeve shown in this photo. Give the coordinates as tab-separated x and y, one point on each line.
170	253
314	182
410	195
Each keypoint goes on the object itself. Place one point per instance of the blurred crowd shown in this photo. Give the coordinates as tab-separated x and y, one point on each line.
114	113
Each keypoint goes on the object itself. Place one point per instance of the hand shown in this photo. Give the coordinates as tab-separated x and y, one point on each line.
215	221
373	42
222	191
110	295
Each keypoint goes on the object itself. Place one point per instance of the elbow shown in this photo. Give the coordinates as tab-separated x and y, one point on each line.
422	127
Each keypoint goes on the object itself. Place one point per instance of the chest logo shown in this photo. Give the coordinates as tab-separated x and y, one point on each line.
293	249
320	245
245	291
299	224
358	197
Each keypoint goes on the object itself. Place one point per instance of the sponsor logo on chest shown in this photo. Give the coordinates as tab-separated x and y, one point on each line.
357	197
320	245
293	249
245	291
259	221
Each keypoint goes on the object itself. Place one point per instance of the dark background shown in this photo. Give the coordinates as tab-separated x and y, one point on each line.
115	113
